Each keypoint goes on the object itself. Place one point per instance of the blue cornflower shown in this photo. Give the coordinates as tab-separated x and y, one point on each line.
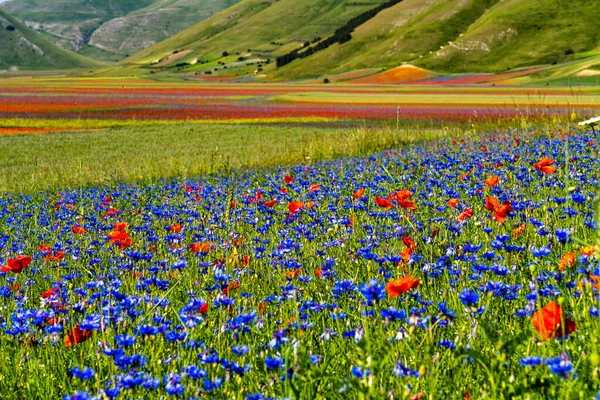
469	297
563	235
275	362
84	373
401	371
373	291
360	372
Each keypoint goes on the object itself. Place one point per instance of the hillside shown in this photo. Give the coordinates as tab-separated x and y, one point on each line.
257	30
25	49
111	29
439	35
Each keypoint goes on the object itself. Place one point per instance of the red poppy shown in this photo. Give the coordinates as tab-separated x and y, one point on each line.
295	207
203	309
400	286
293	273
203	247
465	215
545	166
408	242
492	181
384	203
120	226
270	203
49	293
16	265
551	322
500	210
76	336
358	193
314	188
319	272
288	179
78	230
175	228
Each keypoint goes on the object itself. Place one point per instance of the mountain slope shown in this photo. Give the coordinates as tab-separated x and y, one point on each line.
23	48
405	32
112	29
518	33
267	27
439	35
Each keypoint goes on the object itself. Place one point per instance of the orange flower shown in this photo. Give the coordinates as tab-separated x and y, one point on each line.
518	231
587	250
203	247
453	202
359	193
566	261
545	166
76	336
78	230
400	286
314	188
293	273
551	322
16	265
492	181
403	195
175	228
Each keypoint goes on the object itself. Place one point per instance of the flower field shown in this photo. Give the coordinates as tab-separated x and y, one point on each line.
459	268
56	100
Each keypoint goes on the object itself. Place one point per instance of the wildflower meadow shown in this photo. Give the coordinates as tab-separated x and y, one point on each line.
458	268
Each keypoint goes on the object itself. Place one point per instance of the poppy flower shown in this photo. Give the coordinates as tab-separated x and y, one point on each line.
295	207
566	261
358	193
175	228
453	202
551	322
587	250
203	247
78	230
319	272
545	166
49	293
492	181
120	226
76	336
383	203
314	188
408	242
400	286
203	309
288	179
501	211
16	265
293	273
465	215
270	203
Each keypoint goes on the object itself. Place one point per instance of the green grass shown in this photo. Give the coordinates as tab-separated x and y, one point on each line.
147	153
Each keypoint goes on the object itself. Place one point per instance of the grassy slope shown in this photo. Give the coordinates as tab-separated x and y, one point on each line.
522	33
117	27
401	33
176	151
27	49
255	24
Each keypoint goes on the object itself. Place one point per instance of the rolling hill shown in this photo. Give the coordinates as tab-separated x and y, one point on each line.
111	29
23	48
441	35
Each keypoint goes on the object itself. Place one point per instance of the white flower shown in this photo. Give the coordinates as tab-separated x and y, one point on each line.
591	121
